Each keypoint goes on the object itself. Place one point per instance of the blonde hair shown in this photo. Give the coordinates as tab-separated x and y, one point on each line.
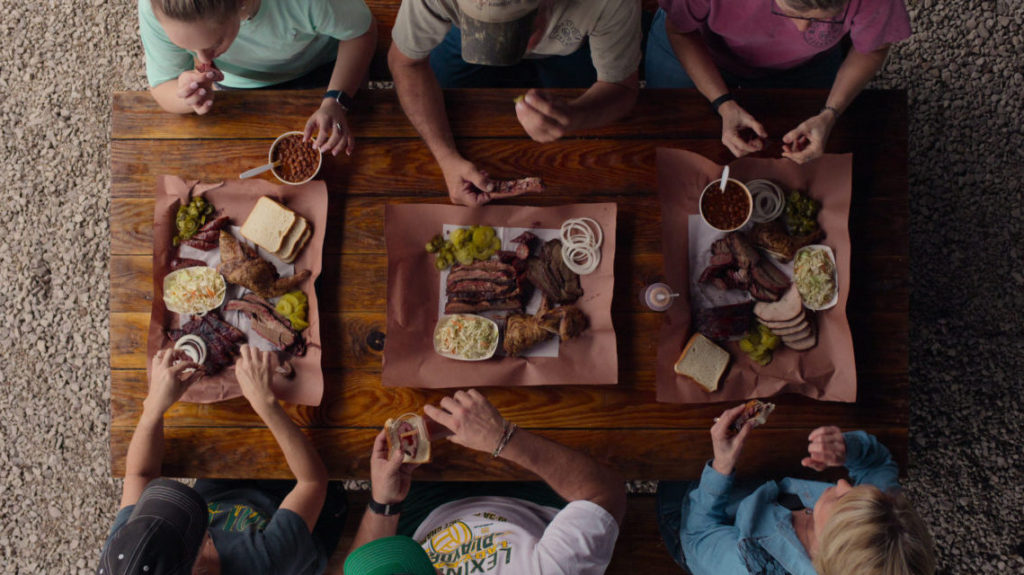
875	533
196	10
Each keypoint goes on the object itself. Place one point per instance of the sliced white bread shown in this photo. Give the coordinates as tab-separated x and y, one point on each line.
789	306
787	331
297	248
703	362
805	343
290	244
773	325
268	224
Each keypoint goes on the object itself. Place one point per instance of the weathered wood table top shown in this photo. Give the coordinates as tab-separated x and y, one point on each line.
621	425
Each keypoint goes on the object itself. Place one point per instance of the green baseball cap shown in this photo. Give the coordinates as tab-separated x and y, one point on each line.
398	555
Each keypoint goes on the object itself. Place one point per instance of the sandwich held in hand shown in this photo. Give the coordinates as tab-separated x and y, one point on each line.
408	433
754	410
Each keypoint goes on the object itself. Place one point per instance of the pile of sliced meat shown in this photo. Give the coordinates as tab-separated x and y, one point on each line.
270	324
736	264
221	338
208	236
725	322
485	286
788	319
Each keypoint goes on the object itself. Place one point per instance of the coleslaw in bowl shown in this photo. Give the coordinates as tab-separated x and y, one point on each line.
816	276
195	290
466	337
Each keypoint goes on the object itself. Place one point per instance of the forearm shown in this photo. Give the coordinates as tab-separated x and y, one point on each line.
856	71
146	449
695	57
573	475
353	61
303	460
166	95
604	103
423	101
373	527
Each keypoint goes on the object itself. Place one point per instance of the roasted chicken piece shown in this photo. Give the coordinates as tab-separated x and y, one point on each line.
241	265
525	331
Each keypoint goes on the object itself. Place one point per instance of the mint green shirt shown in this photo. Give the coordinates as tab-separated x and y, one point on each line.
285	40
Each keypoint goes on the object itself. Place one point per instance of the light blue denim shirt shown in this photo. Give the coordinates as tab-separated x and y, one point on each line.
729	531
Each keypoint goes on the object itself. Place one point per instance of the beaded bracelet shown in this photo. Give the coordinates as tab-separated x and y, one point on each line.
506	436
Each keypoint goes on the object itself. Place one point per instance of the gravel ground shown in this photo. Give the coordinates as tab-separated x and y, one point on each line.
964	75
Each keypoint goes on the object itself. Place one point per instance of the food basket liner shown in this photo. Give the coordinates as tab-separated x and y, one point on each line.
413	291
826	372
236	199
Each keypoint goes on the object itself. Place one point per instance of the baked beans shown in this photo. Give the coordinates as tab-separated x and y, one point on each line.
725	210
298	159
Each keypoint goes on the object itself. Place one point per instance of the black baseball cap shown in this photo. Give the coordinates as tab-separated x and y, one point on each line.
162	535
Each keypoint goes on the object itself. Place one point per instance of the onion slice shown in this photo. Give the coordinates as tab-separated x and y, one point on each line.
193	346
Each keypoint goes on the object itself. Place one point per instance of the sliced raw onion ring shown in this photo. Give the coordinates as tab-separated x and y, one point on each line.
193	346
581	244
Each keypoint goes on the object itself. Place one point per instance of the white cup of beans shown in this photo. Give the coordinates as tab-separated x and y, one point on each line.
298	161
727	210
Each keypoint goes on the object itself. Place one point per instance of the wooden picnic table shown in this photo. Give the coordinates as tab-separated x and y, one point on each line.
622	424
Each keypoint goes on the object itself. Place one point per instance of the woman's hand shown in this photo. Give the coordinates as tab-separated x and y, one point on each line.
545	118
331	125
728	446
254	371
827	448
473	421
735	120
167	385
467	185
390	479
195	88
807	141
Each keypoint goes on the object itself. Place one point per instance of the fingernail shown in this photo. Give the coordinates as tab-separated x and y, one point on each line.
202	91
209	75
193	85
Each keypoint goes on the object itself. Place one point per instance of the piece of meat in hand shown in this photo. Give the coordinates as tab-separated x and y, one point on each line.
518	187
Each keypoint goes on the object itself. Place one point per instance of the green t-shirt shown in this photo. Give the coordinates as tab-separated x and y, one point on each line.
285	40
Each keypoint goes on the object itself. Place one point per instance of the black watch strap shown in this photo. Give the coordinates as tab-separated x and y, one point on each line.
717	103
385	509
341	97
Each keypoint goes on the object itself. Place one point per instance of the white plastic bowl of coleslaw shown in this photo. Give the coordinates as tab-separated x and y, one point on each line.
465	337
816	276
194	291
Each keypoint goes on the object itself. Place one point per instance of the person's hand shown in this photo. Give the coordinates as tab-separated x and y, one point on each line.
196	88
736	124
331	125
390	479
807	141
473	421
254	371
467	185
827	448
167	382
727	445
545	118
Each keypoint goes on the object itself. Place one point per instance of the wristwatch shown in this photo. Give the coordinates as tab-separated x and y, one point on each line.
341	97
387	509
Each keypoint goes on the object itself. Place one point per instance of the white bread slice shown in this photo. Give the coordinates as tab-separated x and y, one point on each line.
703	362
419	430
773	325
297	249
268	224
291	241
788	307
805	343
788	331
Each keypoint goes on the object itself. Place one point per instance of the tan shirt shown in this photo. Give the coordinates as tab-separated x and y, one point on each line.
613	27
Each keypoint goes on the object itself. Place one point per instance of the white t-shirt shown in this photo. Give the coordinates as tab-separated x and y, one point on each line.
506	535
